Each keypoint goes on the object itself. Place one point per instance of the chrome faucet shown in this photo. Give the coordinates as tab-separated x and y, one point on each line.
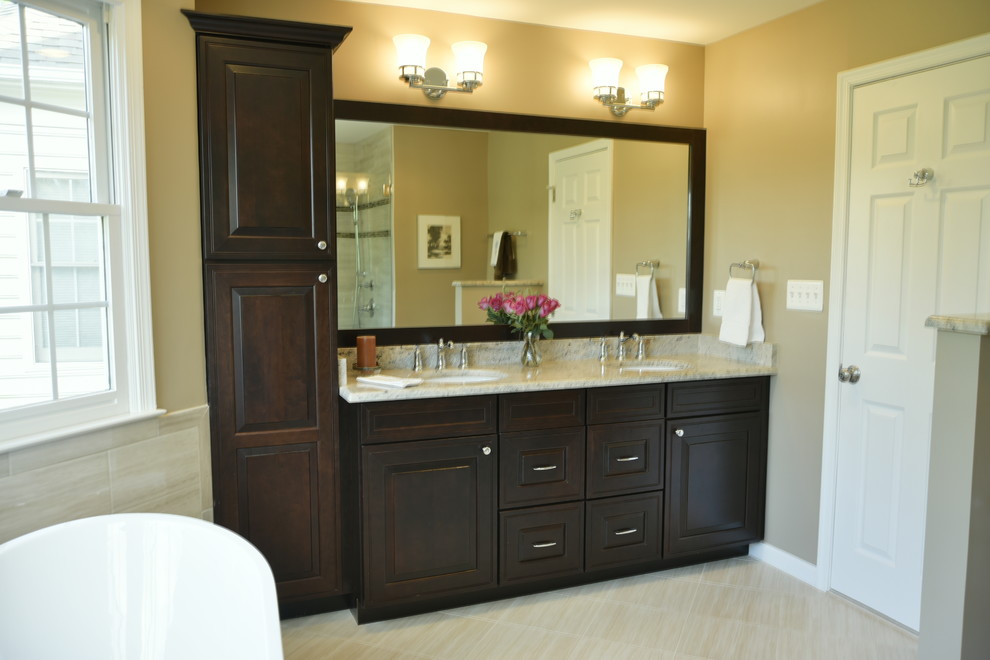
640	346
417	359
442	353
602	350
464	356
620	346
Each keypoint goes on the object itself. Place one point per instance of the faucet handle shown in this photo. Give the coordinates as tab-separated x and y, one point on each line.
417	359
640	346
602	349
464	356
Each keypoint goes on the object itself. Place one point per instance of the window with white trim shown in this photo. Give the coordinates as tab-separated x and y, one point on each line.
73	257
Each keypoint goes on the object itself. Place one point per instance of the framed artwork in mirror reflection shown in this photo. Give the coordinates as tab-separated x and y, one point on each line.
439	241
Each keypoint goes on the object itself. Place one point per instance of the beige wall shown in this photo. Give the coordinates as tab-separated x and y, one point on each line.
770	113
437	172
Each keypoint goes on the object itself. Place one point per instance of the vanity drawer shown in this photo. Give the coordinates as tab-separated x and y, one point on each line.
424	419
540	410
621	530
539	467
625	404
625	458
715	397
541	543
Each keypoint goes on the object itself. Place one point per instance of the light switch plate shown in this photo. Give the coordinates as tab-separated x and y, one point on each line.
717	300
625	285
806	295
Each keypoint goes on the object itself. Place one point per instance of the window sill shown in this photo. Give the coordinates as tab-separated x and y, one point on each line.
13	444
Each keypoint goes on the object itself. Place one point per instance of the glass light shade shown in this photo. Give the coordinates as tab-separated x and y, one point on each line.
605	72
410	50
362	185
651	78
470	56
341	185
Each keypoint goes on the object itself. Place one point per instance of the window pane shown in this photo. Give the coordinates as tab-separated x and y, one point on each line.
83	365
16	288
61	145
23	380
11	71
13	148
56	59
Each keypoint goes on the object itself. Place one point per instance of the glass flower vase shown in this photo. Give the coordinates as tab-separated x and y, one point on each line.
531	356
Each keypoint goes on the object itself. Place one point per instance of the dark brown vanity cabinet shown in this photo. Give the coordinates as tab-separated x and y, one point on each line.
717	458
266	159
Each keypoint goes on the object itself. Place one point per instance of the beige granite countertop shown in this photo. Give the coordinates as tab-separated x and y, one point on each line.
972	324
556	375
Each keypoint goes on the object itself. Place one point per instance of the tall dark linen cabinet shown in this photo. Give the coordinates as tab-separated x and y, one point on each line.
266	161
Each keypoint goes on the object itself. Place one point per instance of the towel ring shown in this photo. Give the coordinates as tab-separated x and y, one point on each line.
652	264
750	264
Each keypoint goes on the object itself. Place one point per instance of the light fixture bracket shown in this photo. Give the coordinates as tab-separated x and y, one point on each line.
435	84
614	98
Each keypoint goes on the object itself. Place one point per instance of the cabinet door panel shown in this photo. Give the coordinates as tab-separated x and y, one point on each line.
538	467
625	404
265	115
623	530
542	542
423	419
273	419
625	458
715	489
541	410
714	397
428	518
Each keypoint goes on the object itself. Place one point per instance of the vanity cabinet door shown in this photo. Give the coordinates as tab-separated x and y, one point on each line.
428	518
716	482
273	417
540	467
625	458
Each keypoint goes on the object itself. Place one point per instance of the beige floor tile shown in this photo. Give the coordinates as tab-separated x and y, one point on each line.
491	611
554	611
746	572
435	635
510	641
638	626
753	606
600	649
653	590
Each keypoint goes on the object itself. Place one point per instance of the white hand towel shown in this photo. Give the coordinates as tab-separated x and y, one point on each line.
647	299
496	246
742	317
389	382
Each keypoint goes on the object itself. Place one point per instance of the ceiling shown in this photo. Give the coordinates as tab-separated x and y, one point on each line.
689	21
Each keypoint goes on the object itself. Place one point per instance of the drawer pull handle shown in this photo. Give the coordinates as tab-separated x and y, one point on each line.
544	468
545	544
623	532
626	459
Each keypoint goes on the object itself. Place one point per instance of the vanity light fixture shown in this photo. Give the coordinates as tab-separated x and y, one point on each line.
605	80
410	50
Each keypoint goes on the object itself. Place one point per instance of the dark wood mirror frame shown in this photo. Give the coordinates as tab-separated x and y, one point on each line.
694	138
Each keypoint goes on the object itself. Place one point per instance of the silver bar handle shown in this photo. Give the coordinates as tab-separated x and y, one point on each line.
544	468
623	532
545	544
626	459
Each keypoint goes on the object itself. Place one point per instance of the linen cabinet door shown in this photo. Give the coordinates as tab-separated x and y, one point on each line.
716	482
428	518
274	419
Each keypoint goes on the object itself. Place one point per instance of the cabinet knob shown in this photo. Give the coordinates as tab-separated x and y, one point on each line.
679	433
486	450
322	278
322	245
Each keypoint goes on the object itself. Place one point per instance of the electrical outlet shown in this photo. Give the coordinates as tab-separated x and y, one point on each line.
717	300
806	295
625	285
681	300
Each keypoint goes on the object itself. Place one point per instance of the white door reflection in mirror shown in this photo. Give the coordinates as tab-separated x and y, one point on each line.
580	231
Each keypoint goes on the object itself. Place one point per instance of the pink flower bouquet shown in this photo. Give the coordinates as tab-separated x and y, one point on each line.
524	313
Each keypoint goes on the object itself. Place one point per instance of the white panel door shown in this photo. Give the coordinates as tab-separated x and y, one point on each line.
580	231
912	251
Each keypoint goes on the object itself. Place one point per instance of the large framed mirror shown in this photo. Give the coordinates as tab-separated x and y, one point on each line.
437	208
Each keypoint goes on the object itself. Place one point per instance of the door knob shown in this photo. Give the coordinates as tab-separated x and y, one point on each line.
849	374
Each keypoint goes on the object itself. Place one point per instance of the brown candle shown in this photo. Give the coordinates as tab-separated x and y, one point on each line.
366	351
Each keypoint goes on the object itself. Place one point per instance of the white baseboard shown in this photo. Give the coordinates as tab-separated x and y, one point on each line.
786	562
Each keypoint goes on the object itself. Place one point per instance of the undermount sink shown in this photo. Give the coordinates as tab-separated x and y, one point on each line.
637	367
462	376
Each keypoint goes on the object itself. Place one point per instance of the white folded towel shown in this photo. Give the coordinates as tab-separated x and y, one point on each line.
389	382
496	246
742	317
647	299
